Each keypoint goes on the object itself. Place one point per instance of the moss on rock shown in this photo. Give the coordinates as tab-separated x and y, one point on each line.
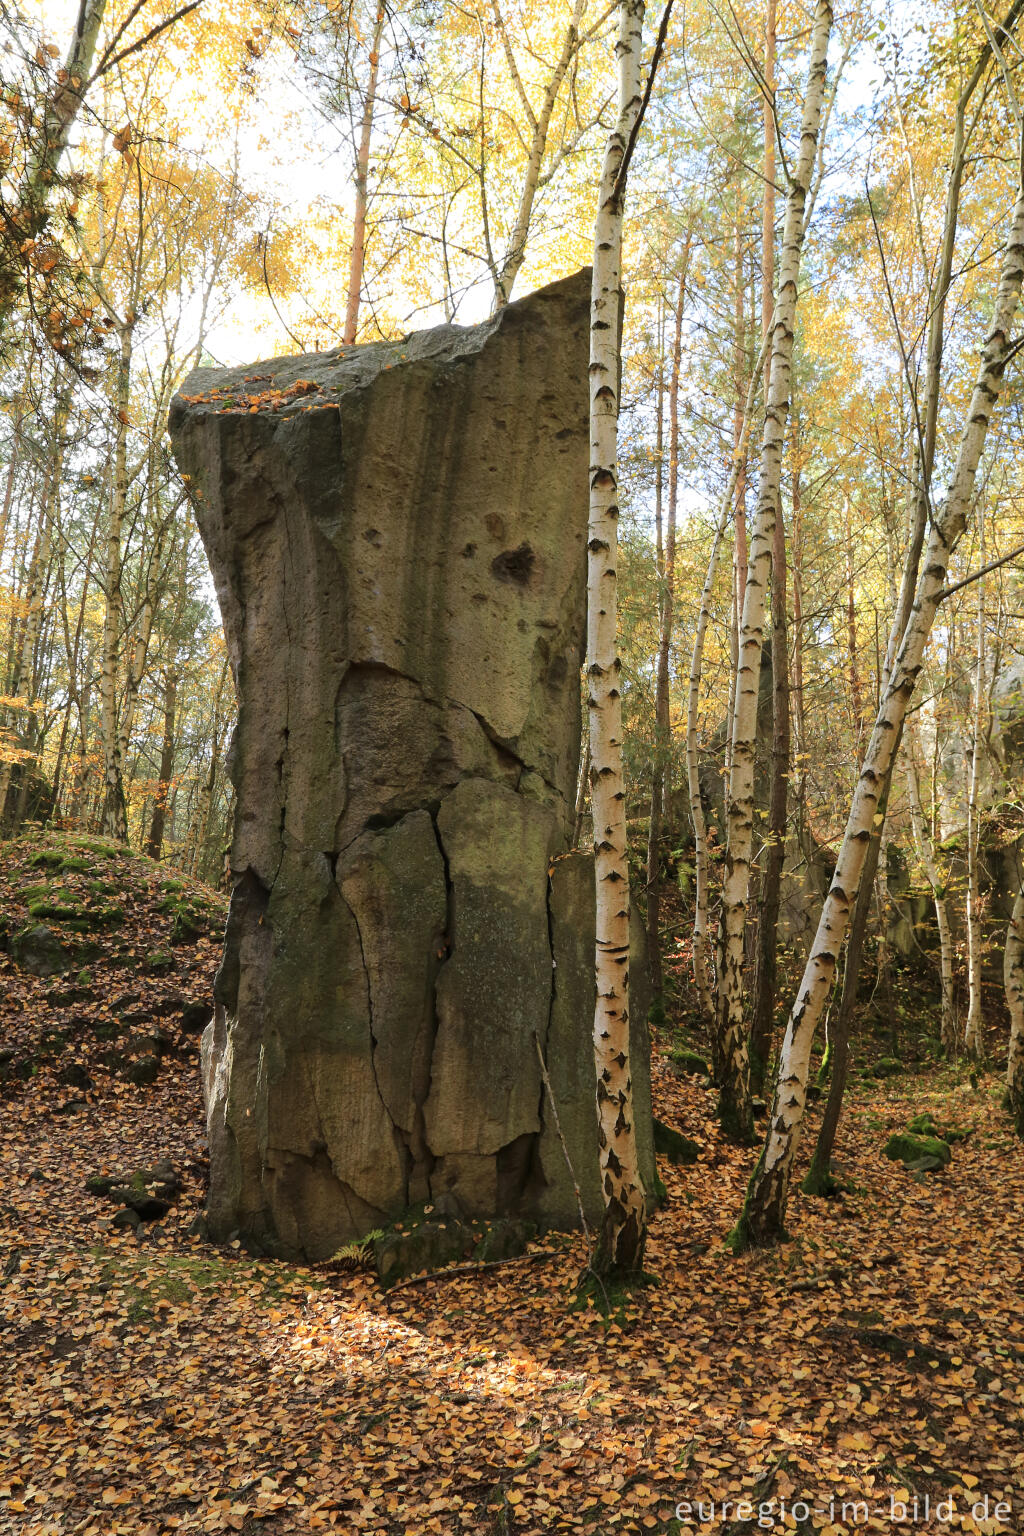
918	1153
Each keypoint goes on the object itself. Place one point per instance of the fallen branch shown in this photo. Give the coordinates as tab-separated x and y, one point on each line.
451	1270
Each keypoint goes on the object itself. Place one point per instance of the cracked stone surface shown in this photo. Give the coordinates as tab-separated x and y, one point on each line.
396	533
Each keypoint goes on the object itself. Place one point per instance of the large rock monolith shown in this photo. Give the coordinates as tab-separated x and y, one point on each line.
396	533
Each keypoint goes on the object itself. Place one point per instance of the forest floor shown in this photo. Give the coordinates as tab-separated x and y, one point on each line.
150	1382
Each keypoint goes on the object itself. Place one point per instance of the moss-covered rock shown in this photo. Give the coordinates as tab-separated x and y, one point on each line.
428	1246
887	1066
143	1071
679	1149
920	1154
925	1124
687	1063
38	950
506	1238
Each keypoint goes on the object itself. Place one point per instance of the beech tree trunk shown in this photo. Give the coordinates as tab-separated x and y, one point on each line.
763	1216
624	1230
734	1107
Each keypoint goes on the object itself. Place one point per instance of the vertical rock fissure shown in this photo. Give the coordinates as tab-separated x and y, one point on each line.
449	947
541	1115
400	1138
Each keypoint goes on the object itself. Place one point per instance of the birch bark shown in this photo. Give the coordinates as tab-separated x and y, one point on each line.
114	814
734	1108
701	950
763	1216
624	1230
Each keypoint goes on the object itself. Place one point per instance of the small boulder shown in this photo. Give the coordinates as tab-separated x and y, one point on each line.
429	1246
143	1071
687	1063
126	1218
74	1075
920	1154
674	1145
146	1206
39	951
505	1238
195	1017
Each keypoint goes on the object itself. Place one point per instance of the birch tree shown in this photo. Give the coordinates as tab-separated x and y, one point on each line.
734	1106
763	1216
701	947
624	1230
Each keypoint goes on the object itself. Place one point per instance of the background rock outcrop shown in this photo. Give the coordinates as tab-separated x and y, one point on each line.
396	534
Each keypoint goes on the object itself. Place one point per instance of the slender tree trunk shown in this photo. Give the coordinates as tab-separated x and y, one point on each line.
801	755
1013	983
12	469
926	846
155	841
734	1106
624	1230
358	258
819	1180
974	1040
114	816
663	740
766	957
35	593
581	795
701	946
205	809
540	125
59	116
763	1216
852	660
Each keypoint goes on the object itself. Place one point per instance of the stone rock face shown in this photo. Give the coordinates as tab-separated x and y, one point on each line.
396	533
39	951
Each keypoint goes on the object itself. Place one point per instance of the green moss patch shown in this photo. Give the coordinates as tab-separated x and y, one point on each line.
679	1149
688	1063
920	1154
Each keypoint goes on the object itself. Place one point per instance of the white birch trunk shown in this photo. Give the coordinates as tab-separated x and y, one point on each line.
624	1231
734	1106
114	816
763	1216
701	950
1013	985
